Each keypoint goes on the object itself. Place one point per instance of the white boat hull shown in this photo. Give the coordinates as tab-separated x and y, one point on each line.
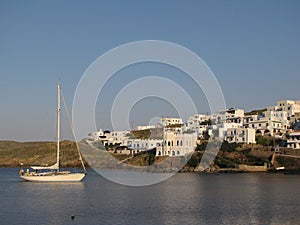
71	177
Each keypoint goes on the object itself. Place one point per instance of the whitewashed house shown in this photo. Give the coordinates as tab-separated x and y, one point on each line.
107	137
248	119
265	126
230	116
293	140
139	145
240	135
120	137
168	121
289	106
218	131
198	123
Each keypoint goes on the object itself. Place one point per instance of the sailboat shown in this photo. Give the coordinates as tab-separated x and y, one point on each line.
53	173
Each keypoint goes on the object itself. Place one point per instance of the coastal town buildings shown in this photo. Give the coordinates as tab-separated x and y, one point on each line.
233	125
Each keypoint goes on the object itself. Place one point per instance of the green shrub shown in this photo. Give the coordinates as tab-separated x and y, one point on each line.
263	141
229	147
201	147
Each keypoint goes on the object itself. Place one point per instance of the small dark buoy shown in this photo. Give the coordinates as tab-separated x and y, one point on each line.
72	217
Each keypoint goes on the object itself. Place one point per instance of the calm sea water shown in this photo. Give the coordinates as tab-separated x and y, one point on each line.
182	199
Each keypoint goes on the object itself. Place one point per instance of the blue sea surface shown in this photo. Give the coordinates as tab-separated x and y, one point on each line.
186	198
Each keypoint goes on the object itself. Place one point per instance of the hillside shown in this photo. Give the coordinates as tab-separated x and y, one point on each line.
153	133
37	153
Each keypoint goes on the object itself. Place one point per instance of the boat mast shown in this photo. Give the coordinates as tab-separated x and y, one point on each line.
58	124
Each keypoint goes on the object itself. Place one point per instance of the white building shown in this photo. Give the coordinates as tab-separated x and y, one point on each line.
289	106
264	126
177	144
107	137
293	140
138	145
248	119
197	123
295	117
100	135
230	116
120	137
218	131
240	135
277	116
145	127
167	121
283	111
197	119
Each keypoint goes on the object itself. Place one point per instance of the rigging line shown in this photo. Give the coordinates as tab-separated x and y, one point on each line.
72	129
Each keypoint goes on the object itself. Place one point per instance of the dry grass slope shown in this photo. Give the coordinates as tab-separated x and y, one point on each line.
37	153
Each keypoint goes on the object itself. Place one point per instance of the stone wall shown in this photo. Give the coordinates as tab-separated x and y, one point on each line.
253	168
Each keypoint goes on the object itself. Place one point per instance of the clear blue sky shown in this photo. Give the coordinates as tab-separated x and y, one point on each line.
253	48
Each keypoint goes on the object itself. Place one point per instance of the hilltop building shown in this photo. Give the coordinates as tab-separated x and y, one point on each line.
145	127
167	121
